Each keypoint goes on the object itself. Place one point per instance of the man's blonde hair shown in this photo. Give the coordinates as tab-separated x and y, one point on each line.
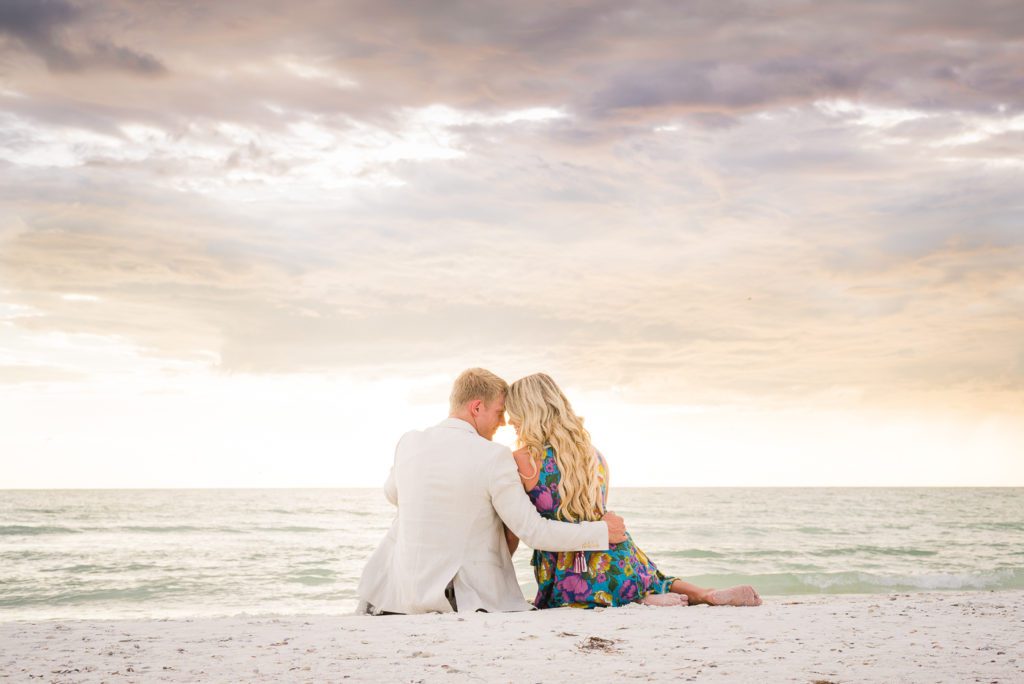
476	383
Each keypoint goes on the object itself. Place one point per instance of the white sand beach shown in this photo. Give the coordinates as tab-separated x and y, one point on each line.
928	637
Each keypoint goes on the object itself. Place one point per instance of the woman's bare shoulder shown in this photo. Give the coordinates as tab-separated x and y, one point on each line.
529	469
522	456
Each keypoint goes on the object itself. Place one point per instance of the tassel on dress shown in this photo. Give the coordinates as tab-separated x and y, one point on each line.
579	565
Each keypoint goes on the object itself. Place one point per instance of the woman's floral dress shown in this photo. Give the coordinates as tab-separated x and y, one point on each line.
587	579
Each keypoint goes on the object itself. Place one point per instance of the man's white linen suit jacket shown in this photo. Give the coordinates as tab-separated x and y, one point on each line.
453	489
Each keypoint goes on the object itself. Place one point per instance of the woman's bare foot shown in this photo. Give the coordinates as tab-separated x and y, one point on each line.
741	595
665	600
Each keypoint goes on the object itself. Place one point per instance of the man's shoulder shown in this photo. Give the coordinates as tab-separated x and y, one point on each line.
482	448
453	439
408	437
497	450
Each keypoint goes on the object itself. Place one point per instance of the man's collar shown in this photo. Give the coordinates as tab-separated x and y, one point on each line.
458	424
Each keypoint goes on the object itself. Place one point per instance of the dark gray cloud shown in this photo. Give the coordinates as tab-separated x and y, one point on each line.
35	25
119	57
717	87
45	28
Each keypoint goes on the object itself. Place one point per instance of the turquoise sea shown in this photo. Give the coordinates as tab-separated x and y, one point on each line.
171	553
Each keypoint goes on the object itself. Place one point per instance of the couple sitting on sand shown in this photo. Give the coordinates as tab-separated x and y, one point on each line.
464	503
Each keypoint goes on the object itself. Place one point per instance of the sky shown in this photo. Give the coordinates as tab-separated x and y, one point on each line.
757	243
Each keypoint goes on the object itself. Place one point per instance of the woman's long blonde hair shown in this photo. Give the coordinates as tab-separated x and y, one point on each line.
545	417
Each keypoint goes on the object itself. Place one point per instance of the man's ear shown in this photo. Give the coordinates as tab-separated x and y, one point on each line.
476	406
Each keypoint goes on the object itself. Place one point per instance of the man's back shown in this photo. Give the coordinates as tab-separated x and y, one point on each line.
450	485
448	526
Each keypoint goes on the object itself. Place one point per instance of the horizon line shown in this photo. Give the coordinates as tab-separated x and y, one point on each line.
374	487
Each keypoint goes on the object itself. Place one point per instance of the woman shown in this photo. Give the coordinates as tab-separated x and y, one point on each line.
567	479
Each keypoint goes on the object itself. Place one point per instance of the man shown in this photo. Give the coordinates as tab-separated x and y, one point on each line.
454	487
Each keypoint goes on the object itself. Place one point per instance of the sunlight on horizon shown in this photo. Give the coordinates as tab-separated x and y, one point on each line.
309	431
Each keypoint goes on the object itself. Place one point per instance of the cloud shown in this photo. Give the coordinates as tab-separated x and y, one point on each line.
34	24
598	61
808	200
105	54
732	308
43	28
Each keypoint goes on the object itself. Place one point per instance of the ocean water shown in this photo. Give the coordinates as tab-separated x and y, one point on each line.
172	553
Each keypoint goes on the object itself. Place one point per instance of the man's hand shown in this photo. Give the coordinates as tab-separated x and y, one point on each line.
616	528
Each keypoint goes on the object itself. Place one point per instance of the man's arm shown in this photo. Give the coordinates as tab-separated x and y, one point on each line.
390	488
517	512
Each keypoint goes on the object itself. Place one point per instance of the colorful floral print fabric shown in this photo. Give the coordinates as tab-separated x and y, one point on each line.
621	575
